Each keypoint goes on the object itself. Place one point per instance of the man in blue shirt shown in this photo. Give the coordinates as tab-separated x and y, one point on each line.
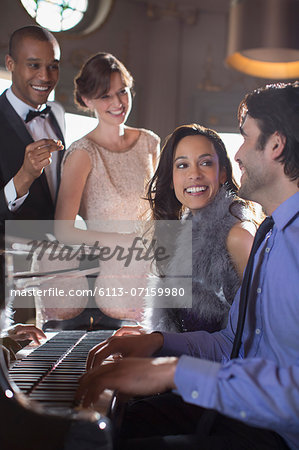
256	395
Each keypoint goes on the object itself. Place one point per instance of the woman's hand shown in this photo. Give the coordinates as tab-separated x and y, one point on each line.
21	332
125	346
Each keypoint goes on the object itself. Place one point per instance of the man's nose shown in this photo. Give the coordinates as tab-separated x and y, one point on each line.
237	155
43	73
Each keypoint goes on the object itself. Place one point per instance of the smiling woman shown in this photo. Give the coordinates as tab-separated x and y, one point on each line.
196	174
111	163
103	179
194	182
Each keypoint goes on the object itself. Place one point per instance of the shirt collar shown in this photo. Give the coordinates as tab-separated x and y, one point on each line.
286	211
18	105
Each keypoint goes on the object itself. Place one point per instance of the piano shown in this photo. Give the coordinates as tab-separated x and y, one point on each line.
37	409
50	373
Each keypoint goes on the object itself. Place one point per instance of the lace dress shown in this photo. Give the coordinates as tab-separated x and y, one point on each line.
113	191
115	185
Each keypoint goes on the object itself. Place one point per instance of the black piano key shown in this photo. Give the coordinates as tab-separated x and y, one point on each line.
50	374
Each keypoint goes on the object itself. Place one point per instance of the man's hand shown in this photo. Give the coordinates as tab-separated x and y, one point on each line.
125	346
21	332
37	157
129	330
133	376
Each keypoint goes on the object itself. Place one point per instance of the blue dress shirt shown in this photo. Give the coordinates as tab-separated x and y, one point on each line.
261	387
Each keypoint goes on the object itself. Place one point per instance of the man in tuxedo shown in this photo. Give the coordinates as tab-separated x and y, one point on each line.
31	131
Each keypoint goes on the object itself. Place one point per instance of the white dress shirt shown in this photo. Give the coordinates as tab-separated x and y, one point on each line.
39	128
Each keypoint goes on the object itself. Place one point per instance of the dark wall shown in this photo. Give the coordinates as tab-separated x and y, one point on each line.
177	61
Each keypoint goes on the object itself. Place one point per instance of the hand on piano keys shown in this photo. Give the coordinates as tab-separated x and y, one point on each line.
49	374
128	375
142	345
22	332
103	404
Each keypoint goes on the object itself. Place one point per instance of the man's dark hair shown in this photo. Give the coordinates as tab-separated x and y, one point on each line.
31	31
275	107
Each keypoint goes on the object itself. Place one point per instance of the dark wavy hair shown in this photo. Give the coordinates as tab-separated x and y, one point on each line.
93	80
160	194
275	107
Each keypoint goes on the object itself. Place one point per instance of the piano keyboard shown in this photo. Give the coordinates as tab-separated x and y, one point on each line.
50	373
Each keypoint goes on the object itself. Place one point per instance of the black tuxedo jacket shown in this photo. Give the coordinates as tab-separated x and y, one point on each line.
14	138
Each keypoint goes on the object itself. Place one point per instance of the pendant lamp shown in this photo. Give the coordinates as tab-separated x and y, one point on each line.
263	38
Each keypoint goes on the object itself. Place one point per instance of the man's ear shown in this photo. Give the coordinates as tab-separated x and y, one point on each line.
278	144
9	63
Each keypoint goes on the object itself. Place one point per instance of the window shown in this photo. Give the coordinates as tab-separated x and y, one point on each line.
75	16
56	15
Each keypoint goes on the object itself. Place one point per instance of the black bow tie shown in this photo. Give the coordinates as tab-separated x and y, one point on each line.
32	114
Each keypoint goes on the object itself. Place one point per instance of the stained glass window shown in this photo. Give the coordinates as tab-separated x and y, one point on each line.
56	15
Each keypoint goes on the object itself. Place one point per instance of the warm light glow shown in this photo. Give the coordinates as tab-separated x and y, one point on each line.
262	69
263	38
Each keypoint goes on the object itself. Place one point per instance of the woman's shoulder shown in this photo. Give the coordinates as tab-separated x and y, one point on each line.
239	242
152	136
241	235
150	141
242	229
83	145
148	135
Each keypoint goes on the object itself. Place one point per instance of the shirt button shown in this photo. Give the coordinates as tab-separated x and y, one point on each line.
243	414
194	394
258	290
267	249
257	331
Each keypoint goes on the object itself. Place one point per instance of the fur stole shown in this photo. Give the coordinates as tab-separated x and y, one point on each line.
214	277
